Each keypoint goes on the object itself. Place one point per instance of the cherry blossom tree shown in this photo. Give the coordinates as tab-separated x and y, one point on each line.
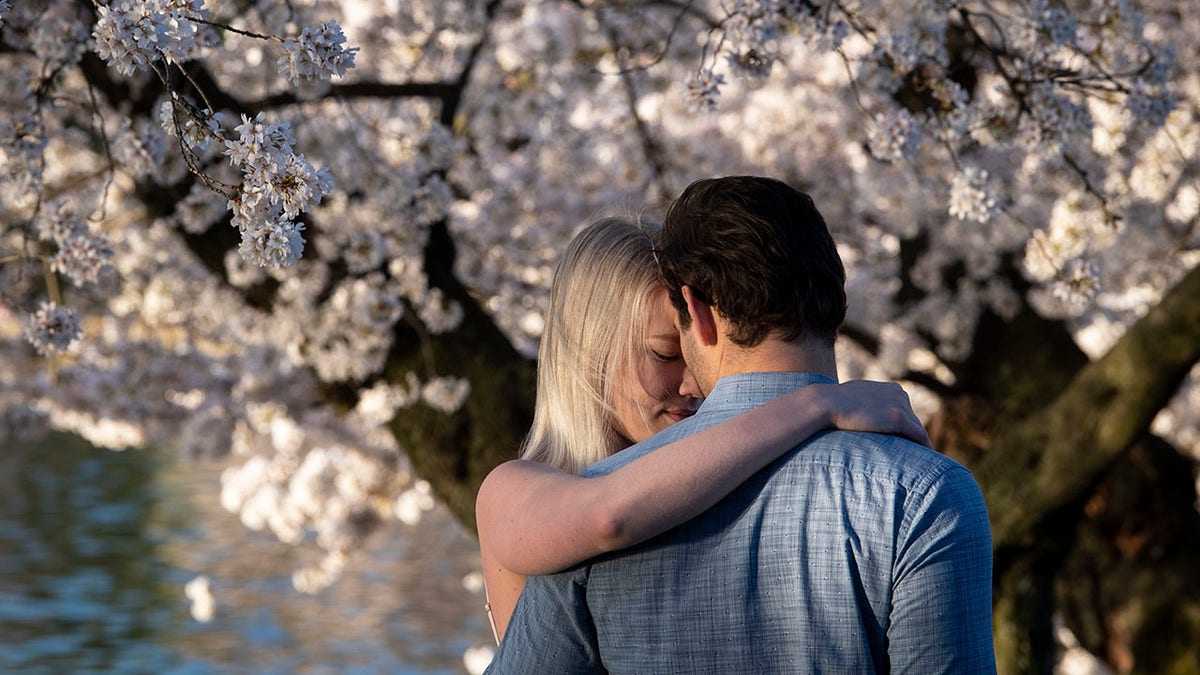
316	237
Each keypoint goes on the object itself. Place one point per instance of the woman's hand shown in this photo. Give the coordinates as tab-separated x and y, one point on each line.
880	407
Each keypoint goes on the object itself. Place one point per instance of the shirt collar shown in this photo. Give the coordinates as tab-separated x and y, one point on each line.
748	390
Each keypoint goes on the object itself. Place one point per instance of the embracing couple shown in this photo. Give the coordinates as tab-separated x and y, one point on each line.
774	528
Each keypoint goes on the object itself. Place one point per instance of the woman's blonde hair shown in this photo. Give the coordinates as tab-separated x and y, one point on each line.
595	326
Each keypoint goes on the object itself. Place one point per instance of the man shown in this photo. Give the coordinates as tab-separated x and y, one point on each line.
853	553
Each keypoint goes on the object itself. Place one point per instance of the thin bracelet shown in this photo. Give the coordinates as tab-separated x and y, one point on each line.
487	607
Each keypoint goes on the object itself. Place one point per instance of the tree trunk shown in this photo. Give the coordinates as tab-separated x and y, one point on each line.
1046	461
455	452
1130	587
1039	470
1023	611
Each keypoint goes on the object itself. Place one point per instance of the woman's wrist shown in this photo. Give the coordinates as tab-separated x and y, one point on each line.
822	398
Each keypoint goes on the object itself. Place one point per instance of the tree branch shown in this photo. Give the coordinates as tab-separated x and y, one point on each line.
443	91
1097	417
650	146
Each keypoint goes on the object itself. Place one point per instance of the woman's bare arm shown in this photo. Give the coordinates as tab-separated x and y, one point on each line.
534	519
502	587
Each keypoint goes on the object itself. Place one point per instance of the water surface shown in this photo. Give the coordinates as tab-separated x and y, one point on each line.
96	546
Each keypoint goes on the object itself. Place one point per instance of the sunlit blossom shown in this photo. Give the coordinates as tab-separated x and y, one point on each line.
317	54
895	136
704	91
969	198
203	604
52	328
1078	282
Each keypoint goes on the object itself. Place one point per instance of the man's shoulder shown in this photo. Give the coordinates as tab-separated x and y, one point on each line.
878	456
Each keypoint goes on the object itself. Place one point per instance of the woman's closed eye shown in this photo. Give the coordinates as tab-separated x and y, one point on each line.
668	358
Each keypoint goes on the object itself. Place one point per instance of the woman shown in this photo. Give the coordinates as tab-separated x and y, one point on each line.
609	375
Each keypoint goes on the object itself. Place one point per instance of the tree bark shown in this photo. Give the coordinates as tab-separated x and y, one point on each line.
1043	463
1129	588
455	452
1040	470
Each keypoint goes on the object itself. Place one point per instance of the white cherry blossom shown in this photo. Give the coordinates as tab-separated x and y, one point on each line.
52	329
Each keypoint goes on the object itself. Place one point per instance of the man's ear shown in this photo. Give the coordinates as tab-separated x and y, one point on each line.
704	319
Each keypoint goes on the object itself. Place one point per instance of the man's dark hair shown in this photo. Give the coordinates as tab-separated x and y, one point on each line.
760	252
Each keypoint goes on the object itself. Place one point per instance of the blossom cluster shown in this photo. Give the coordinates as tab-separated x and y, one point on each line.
377	404
1053	22
200	128
439	314
277	185
139	148
1053	118
414	502
52	328
350	337
302	477
957	115
704	90
969	198
895	136
22	142
317	54
59	37
1078	281
446	393
754	25
288	489
1064	256
132	35
83	253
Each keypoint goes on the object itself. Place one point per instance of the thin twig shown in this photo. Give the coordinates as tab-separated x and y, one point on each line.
1109	215
235	30
199	90
666	47
108	183
649	145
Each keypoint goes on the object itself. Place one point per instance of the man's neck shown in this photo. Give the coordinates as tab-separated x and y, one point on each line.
773	355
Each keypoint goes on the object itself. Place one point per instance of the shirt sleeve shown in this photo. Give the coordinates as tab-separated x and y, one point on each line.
941	617
551	630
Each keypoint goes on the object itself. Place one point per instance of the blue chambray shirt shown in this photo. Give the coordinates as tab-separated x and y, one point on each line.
852	553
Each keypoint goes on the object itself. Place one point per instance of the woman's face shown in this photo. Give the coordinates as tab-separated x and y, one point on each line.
647	399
